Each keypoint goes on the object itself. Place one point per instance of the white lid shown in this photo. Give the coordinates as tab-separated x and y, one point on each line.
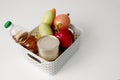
48	42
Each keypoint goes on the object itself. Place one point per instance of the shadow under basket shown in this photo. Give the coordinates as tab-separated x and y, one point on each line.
54	66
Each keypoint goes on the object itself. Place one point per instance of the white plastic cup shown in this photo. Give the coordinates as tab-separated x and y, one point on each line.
48	47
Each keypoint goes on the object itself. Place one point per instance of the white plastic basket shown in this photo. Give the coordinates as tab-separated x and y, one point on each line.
53	67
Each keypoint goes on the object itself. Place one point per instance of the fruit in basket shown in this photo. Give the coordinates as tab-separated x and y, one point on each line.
62	20
49	16
45	29
65	36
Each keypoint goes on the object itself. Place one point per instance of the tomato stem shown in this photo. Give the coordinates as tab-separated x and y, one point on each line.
58	27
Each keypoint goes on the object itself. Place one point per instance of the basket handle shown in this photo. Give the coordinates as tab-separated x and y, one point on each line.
32	57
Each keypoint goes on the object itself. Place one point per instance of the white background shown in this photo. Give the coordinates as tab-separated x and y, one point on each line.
98	57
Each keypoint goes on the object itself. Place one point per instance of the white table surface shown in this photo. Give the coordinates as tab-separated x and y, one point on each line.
98	57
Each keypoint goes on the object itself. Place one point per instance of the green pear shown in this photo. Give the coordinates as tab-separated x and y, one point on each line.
49	16
45	29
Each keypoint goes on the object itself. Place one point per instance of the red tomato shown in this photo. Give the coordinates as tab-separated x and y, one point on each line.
66	37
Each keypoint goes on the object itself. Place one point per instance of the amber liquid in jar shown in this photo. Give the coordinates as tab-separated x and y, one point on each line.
27	41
